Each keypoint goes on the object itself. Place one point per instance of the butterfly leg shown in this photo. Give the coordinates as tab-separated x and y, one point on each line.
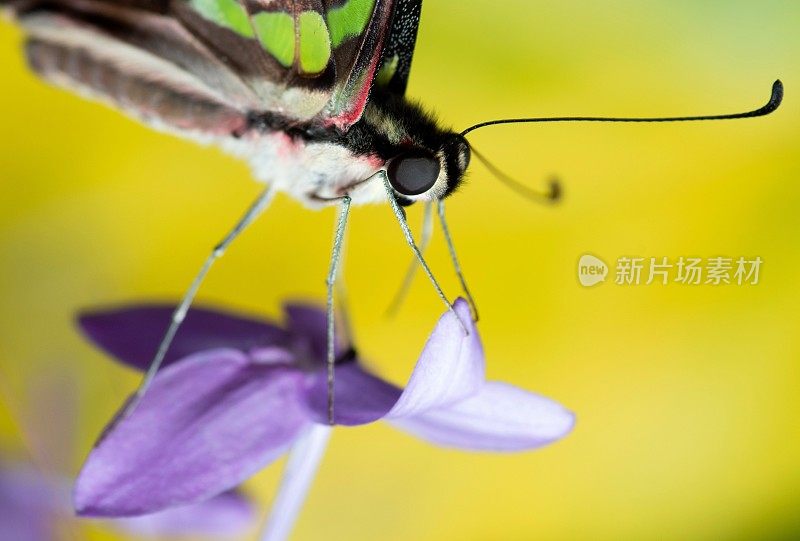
424	240
451	247
338	241
342	305
401	218
253	212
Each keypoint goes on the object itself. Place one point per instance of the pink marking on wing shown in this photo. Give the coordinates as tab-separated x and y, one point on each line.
350	117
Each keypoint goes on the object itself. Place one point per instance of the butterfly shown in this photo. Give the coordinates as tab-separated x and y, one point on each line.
310	92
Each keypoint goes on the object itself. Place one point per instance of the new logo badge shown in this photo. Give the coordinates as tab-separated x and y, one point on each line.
591	270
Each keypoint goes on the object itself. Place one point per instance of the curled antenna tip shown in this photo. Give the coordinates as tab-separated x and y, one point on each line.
776	98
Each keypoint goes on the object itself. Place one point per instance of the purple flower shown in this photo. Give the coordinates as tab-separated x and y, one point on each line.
236	393
28	505
32	504
36	502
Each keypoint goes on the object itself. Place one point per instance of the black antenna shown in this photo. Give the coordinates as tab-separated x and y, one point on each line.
773	103
552	195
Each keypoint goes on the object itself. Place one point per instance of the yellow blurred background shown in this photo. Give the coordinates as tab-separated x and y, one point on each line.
687	397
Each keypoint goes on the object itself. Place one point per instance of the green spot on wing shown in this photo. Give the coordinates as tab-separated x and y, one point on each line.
275	31
315	43
349	20
227	13
387	71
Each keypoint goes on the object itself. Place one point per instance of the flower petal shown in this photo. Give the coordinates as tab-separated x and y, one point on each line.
206	424
132	334
308	328
360	397
500	417
301	468
229	514
450	368
29	505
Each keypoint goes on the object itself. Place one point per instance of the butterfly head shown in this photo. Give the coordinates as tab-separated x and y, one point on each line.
421	173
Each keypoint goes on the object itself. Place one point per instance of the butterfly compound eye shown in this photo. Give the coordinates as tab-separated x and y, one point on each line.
414	172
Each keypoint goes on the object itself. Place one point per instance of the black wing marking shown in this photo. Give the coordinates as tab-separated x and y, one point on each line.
399	50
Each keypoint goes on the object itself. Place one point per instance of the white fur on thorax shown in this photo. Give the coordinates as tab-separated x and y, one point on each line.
308	171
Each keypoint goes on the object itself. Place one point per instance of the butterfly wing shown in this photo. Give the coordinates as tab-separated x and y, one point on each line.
205	66
339	48
137	56
399	47
367	53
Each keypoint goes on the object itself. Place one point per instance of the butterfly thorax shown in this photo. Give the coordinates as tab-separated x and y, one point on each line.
318	164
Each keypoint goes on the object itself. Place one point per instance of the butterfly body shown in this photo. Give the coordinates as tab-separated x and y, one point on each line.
310	93
319	165
315	173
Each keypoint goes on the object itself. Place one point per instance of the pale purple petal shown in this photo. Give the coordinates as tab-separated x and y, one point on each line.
500	417
206	424
132	334
227	515
360	397
271	355
450	368
301	468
